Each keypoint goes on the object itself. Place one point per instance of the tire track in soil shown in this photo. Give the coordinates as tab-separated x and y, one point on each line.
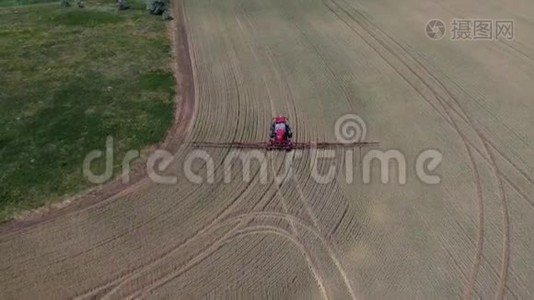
221	241
329	246
465	117
215	222
461	112
303	199
129	274
491	160
205	230
486	141
517	50
335	78
253	230
318	277
506	242
348	98
478	245
246	218
221	238
449	119
492	163
500	177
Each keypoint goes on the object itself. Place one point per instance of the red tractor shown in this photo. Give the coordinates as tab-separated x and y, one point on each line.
281	134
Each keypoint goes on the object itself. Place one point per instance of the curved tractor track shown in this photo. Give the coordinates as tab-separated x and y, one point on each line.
281	234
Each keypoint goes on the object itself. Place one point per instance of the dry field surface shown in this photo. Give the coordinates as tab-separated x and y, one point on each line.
469	236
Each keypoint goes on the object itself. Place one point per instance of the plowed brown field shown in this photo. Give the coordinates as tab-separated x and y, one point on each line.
469	236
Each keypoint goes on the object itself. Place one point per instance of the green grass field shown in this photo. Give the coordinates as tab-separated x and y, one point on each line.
13	3
70	77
